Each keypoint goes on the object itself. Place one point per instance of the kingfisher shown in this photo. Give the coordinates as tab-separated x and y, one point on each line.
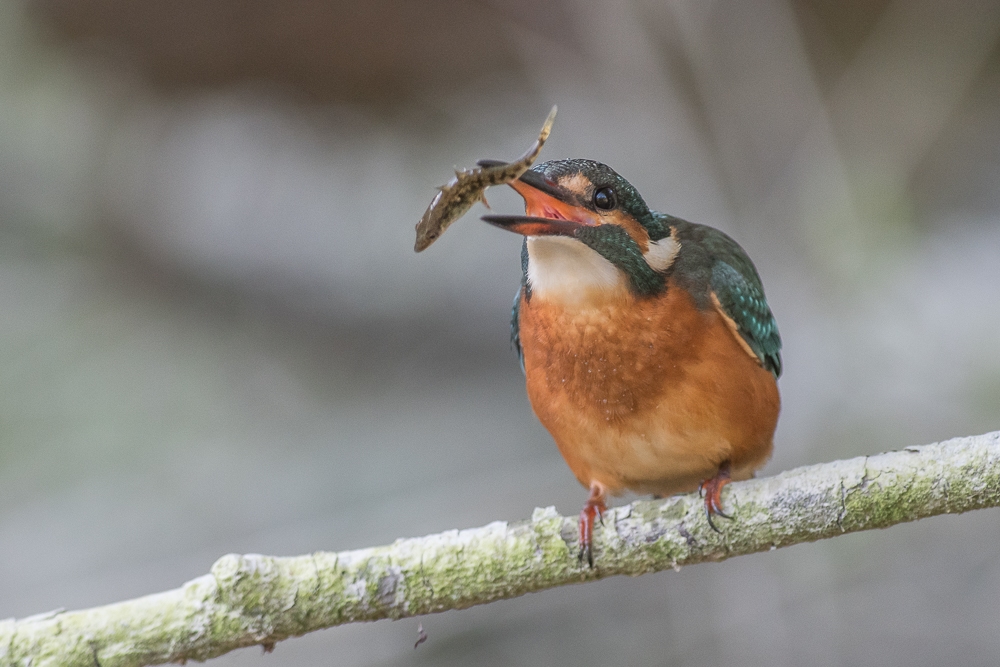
649	349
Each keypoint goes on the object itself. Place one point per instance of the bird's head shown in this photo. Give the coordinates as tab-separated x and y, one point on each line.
588	232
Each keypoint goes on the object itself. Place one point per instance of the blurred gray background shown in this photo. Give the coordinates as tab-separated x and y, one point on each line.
215	335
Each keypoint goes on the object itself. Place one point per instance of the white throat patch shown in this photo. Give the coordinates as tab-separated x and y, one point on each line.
567	270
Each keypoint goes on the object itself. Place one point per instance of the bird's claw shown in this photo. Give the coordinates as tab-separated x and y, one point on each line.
711	490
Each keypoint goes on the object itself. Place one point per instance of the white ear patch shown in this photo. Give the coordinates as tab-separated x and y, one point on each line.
661	254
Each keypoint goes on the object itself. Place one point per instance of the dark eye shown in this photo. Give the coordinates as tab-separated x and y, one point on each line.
605	199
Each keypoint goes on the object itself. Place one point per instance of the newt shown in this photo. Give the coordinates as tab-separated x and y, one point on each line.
455	198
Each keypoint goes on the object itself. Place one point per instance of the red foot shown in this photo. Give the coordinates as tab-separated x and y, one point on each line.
711	490
594	509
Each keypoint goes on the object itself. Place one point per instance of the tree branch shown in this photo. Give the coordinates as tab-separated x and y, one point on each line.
254	599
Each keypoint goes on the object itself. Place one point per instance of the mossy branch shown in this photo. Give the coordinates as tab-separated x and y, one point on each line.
254	599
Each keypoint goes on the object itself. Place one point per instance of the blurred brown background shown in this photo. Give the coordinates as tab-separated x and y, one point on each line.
216	337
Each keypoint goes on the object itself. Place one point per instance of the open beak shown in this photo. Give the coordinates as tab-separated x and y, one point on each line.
529	225
549	208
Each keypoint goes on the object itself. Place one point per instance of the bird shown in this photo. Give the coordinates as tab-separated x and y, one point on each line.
649	350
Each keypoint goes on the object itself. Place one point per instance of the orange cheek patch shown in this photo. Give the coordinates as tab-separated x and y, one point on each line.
632	226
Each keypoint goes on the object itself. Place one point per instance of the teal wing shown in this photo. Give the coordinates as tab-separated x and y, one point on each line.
738	288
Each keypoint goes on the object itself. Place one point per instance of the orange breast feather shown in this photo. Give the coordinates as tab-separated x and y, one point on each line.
647	394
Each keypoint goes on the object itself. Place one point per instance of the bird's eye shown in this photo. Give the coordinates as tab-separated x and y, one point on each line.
605	199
